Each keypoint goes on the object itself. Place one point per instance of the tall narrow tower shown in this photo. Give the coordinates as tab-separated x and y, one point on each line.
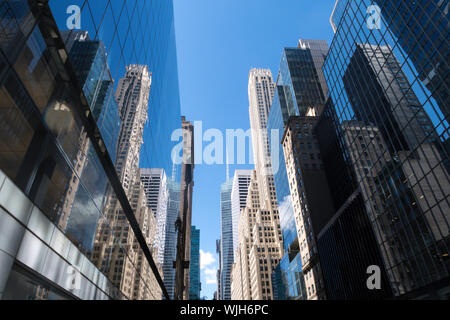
261	90
132	96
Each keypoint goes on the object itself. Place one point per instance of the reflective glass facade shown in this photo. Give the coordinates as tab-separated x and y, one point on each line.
54	177
226	239
298	89
390	117
90	62
194	278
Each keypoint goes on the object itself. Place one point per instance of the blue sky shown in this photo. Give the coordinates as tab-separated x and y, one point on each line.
218	42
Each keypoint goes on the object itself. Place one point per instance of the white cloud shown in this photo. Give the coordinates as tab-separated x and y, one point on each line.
206	259
210	271
210	275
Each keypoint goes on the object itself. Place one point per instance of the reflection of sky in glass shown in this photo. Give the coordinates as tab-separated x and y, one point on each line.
138	32
348	38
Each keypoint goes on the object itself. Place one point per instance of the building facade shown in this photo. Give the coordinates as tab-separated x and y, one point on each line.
226	239
195	285
239	191
425	23
50	129
311	198
185	218
298	93
397	149
259	251
90	62
261	89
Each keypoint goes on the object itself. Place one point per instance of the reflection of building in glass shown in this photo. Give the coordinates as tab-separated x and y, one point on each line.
346	244
64	239
90	62
311	199
420	27
391	137
418	178
132	94
194	278
298	93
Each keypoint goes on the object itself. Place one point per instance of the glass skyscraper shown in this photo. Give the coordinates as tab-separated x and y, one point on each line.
421	29
388	106
56	176
298	89
226	239
194	278
90	62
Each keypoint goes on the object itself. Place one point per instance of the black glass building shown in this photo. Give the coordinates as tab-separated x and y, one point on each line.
389	121
421	29
58	129
195	285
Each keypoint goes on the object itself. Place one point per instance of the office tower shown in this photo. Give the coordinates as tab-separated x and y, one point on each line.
414	157
261	90
185	218
45	117
71	36
194	278
319	51
226	238
90	62
170	234
259	251
241	182
298	93
154	181
348	232
219	270
310	196
400	161
132	95
162	195
423	22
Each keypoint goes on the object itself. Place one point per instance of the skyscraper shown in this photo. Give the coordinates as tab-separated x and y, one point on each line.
391	117
163	194
259	245
132	96
259	251
226	238
311	198
194	278
299	93
241	182
185	218
423	22
219	271
44	107
90	62
261	89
